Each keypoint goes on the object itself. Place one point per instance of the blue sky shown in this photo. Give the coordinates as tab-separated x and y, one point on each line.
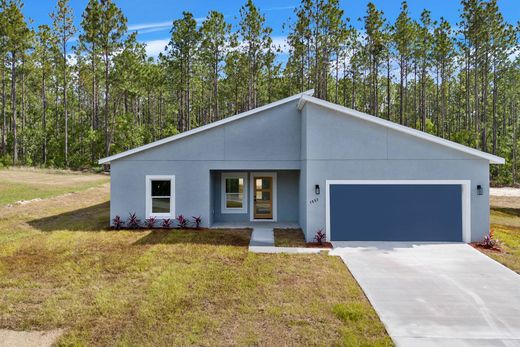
152	18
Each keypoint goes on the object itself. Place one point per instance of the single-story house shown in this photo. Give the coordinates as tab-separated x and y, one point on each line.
308	162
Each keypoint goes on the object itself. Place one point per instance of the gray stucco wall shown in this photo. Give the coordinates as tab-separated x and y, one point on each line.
269	140
344	148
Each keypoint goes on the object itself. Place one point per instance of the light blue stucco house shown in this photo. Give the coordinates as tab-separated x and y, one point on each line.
308	162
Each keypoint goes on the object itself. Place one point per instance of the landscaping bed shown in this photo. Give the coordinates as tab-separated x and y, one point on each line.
295	238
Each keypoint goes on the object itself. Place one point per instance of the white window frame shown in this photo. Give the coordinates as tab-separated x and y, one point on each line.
273	175
149	179
224	208
465	199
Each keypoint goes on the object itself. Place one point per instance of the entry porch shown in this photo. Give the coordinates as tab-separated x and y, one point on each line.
245	198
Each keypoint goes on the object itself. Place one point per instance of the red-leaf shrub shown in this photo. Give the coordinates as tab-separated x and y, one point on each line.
133	222
183	222
197	221
150	222
489	241
320	236
166	223
117	223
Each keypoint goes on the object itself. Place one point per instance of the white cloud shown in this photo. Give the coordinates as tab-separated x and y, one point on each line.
279	8
154	47
156	26
281	43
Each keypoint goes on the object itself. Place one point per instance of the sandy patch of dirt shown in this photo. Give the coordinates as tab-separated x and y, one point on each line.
504	201
29	338
55	178
504	191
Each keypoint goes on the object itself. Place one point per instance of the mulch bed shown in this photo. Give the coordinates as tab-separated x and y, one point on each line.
495	249
317	245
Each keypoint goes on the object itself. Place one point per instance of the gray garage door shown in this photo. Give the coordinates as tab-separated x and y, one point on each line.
395	212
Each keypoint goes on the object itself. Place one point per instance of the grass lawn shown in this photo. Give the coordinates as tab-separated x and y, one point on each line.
61	268
27	183
289	238
505	221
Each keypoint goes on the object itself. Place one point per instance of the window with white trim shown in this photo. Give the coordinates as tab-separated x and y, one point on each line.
234	192
160	196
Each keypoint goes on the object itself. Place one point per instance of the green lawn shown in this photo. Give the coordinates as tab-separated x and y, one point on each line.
26	183
505	223
61	268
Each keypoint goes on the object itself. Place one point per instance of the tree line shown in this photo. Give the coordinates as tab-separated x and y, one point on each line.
73	95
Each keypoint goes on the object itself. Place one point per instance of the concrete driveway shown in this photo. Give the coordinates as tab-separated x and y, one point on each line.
437	294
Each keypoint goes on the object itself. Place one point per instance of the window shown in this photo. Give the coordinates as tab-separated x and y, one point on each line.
234	192
160	196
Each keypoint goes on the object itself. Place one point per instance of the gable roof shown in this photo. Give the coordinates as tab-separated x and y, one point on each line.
204	127
302	99
493	159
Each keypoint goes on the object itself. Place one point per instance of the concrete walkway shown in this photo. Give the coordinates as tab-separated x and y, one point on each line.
262	237
9	338
437	294
262	241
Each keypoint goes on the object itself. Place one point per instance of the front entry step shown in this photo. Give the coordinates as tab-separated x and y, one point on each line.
262	237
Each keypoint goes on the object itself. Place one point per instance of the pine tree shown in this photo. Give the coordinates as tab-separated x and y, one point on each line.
215	42
255	39
45	45
18	40
443	54
3	52
182	50
403	35
374	23
110	33
63	25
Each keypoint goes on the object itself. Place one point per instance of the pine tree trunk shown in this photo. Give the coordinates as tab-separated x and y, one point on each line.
388	90
495	93
65	104
4	113
13	106
107	140
401	92
216	111
337	79
423	98
44	117
484	102
22	113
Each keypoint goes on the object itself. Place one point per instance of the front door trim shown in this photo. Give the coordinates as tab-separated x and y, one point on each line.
465	199
252	192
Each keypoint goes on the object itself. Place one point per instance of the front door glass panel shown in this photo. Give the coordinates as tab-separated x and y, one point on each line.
263	198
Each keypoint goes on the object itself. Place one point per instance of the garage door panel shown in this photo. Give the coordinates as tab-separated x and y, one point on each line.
395	212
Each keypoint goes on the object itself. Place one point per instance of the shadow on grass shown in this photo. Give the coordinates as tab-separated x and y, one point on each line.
216	237
92	218
507	210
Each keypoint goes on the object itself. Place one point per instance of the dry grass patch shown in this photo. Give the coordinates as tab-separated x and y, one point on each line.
289	238
60	267
505	221
18	184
